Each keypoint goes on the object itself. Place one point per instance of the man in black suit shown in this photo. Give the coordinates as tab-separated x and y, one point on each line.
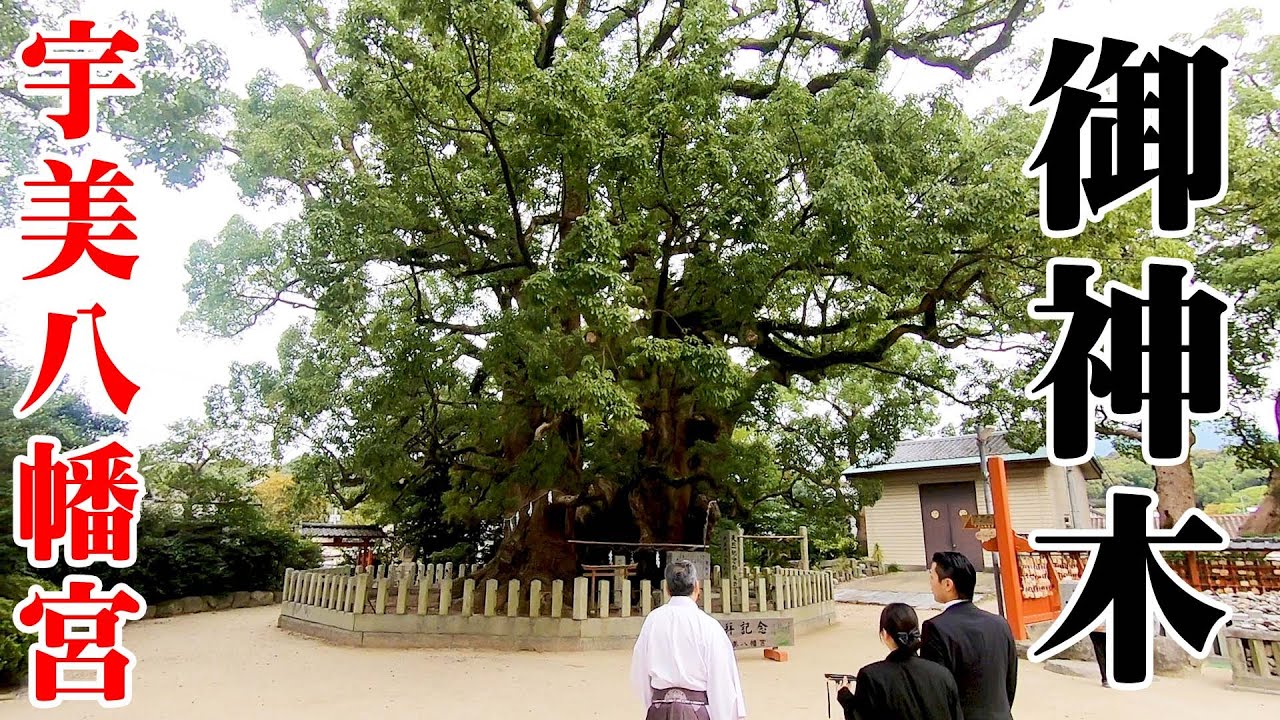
975	645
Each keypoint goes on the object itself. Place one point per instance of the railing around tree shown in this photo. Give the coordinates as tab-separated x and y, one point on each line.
425	606
432	590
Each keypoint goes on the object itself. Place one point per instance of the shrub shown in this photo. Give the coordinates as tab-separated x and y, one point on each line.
13	647
180	557
14	587
841	547
14	642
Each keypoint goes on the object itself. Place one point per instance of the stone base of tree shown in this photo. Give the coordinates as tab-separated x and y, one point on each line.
1080	652
207	603
1074	668
846	569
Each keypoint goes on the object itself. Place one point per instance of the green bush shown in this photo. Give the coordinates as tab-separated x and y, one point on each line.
180	557
840	547
14	642
13	647
14	587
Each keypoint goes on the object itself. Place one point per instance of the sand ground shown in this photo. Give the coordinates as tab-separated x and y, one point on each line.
236	665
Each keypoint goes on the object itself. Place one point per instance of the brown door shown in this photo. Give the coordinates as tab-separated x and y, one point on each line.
943	508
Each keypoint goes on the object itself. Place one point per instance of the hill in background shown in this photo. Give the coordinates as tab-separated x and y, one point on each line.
1222	487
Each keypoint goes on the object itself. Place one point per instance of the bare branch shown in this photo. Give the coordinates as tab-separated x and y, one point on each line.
964	67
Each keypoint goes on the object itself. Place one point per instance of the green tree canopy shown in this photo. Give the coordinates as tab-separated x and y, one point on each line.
610	263
65	416
590	260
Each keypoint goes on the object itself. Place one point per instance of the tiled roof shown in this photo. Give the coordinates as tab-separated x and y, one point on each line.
949	448
945	452
329	530
1231	523
1262	544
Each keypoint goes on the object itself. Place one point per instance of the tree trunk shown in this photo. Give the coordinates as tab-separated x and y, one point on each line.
1175	484
1176	488
662	500
655	510
864	549
537	548
1266	519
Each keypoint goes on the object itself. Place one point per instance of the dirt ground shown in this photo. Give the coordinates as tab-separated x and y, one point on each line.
235	665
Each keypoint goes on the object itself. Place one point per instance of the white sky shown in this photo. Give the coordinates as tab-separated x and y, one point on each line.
175	369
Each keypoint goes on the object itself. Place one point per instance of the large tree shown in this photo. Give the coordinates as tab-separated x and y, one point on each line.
579	262
565	255
1241	255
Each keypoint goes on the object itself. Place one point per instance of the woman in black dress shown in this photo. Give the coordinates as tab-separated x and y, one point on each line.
902	686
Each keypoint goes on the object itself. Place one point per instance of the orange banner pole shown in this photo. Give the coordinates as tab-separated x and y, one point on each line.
1006	548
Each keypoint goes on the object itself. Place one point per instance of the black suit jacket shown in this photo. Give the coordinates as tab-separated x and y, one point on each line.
978	648
902	687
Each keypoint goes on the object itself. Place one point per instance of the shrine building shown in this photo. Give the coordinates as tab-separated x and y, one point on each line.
932	486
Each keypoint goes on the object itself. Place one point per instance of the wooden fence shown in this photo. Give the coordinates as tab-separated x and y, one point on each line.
410	589
1231	571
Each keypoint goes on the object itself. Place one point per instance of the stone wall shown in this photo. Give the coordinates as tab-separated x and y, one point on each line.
206	603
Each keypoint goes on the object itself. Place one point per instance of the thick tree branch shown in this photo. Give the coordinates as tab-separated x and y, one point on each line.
666	29
534	14
28	103
312	53
964	67
505	166
619	15
551	33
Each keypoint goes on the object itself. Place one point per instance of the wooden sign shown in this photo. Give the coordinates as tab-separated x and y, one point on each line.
760	632
986	534
980	522
700	560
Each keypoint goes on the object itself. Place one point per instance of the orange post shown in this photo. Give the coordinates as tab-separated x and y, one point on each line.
1005	546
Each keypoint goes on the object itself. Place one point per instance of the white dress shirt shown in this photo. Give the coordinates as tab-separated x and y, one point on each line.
949	603
682	646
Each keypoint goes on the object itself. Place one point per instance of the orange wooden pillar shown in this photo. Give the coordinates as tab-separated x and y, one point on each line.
1193	570
1006	548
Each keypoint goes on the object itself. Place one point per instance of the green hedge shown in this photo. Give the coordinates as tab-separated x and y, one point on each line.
203	558
177	557
181	557
13	647
14	642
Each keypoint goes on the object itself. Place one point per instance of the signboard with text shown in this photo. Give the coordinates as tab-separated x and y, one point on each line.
980	522
700	560
760	632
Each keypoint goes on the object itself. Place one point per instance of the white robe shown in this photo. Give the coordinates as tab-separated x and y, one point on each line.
682	646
